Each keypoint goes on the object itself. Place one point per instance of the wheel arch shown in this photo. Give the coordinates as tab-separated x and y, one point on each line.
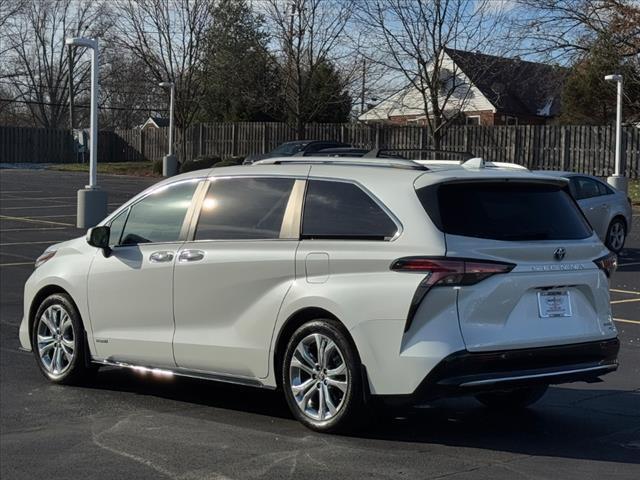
295	321
40	296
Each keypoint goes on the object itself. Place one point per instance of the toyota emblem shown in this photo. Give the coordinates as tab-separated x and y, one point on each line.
559	253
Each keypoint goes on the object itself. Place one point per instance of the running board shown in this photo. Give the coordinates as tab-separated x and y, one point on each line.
184	372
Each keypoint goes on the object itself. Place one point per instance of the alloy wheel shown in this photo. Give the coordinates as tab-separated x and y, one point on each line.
55	340
616	236
318	377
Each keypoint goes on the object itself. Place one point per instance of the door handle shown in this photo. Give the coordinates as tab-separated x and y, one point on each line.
160	257
190	255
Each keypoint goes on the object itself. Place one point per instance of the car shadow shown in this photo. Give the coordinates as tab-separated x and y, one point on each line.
586	423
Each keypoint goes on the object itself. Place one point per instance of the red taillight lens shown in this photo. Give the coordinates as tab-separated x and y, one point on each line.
607	264
451	271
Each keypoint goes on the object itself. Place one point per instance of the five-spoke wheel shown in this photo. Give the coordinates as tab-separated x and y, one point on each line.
616	235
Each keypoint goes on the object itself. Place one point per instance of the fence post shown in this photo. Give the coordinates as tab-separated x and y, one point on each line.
142	145
201	140
264	138
377	136
234	140
564	148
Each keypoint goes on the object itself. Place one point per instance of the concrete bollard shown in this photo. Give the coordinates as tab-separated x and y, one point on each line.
619	182
169	165
92	207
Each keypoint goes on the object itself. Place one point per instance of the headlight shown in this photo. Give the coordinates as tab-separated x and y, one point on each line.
45	257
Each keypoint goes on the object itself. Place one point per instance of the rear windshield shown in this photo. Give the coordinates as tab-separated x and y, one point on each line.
505	211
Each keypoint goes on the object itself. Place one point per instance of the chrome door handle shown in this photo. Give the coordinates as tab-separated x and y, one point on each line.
160	257
190	255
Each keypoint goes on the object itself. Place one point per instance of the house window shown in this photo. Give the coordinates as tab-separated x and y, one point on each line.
473	120
509	120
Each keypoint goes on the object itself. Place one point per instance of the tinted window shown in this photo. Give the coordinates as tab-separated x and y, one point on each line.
505	211
343	210
587	188
244	208
116	226
159	216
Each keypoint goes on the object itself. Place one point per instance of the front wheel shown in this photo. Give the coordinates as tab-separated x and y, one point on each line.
616	235
321	377
512	399
58	340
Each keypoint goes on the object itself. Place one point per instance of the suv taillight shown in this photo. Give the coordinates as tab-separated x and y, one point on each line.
607	264
451	271
446	272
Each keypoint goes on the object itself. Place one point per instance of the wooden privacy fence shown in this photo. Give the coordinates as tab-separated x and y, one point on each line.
587	149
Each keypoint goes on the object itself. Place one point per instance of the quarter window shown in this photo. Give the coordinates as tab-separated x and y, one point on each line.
159	216
244	209
340	210
116	226
588	188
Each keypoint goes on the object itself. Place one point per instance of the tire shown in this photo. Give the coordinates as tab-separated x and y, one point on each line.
616	235
59	341
512	399
326	393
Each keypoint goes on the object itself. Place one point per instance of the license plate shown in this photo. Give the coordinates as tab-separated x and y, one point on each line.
554	303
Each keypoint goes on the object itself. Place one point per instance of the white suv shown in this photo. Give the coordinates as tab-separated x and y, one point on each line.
341	281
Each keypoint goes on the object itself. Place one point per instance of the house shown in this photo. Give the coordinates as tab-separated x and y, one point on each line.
483	90
155	122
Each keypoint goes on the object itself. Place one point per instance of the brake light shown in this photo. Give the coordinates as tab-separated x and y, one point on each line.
607	264
445	272
451	271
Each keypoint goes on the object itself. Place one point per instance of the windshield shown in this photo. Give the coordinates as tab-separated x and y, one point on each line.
290	148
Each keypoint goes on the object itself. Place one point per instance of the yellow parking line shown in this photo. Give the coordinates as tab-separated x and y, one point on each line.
15	264
632	292
33	220
637	322
627	300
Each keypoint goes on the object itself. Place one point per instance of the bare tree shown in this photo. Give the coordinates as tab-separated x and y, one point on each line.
410	39
309	34
569	28
37	60
168	37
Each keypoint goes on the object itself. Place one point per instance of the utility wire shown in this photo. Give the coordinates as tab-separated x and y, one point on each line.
127	109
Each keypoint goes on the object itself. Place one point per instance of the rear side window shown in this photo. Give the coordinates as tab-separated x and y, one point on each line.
340	210
244	209
505	211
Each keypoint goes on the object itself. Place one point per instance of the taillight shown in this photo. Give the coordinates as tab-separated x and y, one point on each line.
446	272
607	264
451	271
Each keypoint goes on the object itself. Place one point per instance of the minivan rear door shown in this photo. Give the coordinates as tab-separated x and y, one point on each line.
554	294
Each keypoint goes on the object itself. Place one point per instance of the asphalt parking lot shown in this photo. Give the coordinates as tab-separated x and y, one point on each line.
126	426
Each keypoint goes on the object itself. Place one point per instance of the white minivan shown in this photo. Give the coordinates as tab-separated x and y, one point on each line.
343	282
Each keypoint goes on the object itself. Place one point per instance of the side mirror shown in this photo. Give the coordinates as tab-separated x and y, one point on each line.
99	237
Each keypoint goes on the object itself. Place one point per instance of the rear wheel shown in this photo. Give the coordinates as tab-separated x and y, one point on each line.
59	342
512	399
616	234
321	377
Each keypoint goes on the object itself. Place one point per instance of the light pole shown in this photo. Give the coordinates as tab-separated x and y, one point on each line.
92	202
169	161
618	180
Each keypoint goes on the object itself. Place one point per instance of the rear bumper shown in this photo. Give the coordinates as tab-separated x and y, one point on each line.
467	373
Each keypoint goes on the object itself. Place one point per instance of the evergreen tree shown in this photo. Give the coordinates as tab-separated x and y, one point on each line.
588	98
238	74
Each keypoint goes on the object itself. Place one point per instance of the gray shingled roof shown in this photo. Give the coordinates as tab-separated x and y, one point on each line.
512	85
